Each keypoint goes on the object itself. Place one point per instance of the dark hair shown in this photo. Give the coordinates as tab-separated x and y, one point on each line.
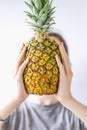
59	37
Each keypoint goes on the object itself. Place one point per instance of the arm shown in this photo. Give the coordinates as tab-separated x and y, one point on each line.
64	95
21	94
77	108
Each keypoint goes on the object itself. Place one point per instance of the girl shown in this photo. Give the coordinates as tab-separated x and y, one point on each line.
48	112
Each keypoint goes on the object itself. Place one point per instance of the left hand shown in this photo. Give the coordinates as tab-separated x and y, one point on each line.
64	94
18	74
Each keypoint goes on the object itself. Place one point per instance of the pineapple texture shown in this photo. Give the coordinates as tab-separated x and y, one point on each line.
41	74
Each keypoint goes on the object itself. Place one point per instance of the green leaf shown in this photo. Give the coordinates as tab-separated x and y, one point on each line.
38	4
39	22
31	16
29	5
51	3
49	20
34	25
45	27
43	3
28	14
51	10
43	18
32	2
44	9
34	18
35	11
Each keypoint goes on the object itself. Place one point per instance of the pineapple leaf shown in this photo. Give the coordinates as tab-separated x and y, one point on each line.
44	9
29	5
51	19
46	26
34	25
39	22
43	18
38	4
51	10
50	15
32	2
40	14
28	14
43	3
35	11
51	2
32	17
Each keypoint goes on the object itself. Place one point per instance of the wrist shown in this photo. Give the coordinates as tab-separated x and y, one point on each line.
18	99
67	103
66	100
9	107
21	97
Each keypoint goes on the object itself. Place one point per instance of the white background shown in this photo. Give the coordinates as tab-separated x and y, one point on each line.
71	22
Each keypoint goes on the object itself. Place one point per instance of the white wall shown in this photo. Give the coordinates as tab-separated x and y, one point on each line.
71	19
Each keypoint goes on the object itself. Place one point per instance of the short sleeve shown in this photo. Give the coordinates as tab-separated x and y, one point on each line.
5	125
83	125
16	120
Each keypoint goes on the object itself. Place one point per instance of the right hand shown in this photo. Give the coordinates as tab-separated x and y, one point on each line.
18	74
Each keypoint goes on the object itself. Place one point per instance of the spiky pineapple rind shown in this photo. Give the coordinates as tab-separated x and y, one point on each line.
41	75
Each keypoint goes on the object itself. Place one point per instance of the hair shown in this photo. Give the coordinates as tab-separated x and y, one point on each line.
61	39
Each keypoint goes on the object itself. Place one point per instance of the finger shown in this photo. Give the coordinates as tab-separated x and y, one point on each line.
60	65
21	48
55	39
65	58
21	56
23	66
19	60
63	48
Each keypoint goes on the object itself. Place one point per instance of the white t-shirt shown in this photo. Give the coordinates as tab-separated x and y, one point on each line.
31	116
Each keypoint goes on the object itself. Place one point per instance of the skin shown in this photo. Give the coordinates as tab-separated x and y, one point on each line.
63	95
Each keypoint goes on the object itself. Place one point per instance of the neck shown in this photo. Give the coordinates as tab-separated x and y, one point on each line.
43	100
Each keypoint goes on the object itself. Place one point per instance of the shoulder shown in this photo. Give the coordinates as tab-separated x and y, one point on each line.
22	108
17	116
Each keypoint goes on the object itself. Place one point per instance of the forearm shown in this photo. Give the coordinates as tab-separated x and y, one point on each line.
0	125
77	108
8	108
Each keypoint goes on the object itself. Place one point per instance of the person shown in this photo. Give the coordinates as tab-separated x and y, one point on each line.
60	111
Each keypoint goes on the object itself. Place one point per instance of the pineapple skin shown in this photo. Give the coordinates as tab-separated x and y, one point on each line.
41	75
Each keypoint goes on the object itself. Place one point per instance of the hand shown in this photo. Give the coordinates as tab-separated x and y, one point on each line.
64	94
18	74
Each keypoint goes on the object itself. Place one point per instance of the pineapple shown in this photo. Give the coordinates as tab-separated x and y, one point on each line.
41	75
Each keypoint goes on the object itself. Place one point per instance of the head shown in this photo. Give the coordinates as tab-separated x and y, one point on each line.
49	99
57	36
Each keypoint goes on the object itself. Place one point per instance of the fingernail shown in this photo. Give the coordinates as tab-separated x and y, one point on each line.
56	56
25	47
61	43
23	44
28	57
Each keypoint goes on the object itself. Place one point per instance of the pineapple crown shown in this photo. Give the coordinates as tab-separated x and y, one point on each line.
40	14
